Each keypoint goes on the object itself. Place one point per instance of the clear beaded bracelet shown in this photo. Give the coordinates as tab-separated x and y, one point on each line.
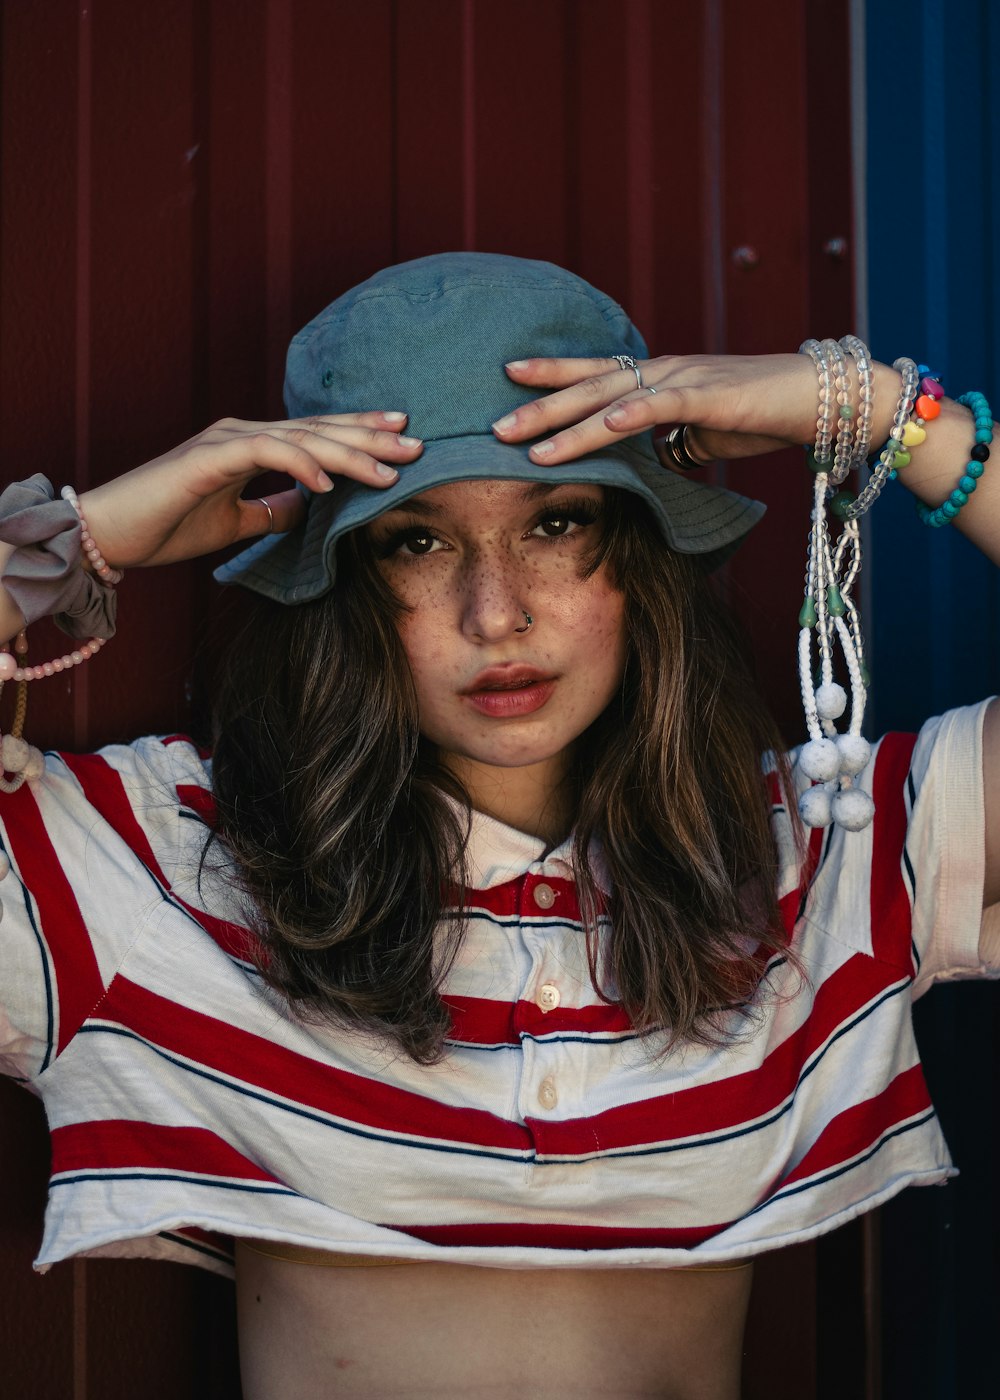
829	614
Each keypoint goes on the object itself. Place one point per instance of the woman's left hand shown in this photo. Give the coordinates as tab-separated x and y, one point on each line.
734	405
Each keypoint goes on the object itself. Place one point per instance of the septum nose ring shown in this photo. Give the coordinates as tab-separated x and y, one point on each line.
528	622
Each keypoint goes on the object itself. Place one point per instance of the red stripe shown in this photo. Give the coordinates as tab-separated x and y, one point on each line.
482	1022
863	1124
729	1103
549	1236
790	904
515	899
186	739
78	979
251	1060
891	920
105	791
199	800
119	1144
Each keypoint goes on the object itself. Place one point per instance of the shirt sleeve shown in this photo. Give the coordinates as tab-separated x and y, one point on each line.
92	844
909	888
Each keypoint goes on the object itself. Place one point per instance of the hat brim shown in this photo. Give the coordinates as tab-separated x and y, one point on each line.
296	567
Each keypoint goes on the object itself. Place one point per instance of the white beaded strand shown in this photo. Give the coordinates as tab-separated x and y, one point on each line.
830	759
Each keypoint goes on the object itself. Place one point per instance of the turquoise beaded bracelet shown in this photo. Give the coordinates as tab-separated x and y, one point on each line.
944	514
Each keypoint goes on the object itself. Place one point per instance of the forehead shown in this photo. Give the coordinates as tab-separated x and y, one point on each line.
488	496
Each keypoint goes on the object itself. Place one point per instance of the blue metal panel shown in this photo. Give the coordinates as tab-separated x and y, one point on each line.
933	196
933	149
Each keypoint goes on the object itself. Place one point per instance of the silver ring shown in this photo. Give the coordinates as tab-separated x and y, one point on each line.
270	514
528	622
676	449
627	362
650	389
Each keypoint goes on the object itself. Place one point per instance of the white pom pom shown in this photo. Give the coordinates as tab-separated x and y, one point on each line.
35	766
852	809
4	866
14	753
831	701
820	759
854	753
814	807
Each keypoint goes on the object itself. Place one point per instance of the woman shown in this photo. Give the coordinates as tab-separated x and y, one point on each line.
498	964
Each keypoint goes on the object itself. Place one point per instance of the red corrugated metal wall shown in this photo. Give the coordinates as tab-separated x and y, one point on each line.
183	184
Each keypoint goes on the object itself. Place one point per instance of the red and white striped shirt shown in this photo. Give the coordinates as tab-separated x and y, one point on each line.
187	1105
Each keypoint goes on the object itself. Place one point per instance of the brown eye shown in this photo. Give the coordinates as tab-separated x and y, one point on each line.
555	525
419	543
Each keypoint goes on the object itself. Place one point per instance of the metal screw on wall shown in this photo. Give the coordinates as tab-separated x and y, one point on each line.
835	247
745	256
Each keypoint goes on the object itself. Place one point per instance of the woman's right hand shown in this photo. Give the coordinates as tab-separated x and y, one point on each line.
188	502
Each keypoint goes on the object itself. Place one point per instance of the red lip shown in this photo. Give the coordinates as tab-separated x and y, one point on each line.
507	692
510	677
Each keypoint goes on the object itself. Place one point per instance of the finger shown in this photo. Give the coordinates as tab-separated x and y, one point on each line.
565	406
645	411
557	373
272	514
313	458
393	421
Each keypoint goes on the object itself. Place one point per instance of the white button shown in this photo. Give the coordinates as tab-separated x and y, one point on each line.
547	1095
548	996
544	896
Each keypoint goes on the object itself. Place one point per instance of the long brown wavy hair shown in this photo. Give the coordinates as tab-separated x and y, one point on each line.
338	815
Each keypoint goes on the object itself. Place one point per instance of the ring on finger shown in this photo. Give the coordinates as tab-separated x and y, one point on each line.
627	362
676	448
263	501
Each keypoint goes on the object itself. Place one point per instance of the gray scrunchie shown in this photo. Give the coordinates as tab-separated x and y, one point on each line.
45	574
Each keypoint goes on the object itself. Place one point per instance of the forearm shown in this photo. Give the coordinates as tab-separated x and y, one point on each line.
938	463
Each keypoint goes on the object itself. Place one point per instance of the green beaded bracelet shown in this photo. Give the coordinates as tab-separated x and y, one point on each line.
945	513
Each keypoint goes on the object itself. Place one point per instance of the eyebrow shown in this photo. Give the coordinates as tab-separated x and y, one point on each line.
532	491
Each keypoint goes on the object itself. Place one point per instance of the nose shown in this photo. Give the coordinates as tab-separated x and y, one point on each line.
494	595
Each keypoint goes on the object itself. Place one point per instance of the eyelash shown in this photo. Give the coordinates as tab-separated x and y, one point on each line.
582	512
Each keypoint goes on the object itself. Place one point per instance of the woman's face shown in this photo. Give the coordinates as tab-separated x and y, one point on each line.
468	561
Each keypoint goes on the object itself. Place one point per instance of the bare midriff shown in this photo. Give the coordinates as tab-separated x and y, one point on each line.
431	1331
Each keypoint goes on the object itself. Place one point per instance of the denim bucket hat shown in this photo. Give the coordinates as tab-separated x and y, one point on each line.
431	337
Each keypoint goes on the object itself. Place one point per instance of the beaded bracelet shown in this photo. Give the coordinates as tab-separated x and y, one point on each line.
833	761
945	513
88	544
19	760
10	671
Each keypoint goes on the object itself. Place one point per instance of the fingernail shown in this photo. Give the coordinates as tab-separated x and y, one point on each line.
390	473
504	425
409	442
616	416
543	449
325	484
394	417
517	364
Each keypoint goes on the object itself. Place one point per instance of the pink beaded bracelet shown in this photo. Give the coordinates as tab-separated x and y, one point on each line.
88	544
11	671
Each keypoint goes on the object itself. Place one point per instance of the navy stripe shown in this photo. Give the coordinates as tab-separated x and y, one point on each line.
835	1172
326	1120
734	1132
261	1190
